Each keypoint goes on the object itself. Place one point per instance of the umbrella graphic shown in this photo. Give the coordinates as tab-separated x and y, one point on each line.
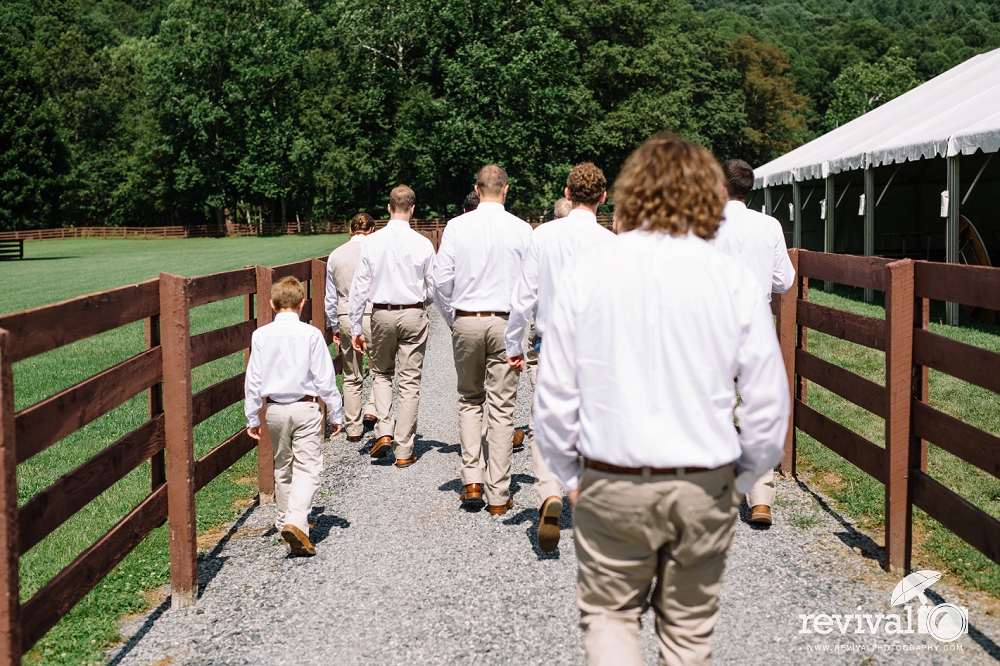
914	586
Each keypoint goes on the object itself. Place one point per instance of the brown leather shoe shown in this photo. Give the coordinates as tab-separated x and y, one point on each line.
298	541
501	509
548	524
760	514
471	493
369	421
381	448
518	439
405	462
356	438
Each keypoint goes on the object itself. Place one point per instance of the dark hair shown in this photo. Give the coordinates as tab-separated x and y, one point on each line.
739	178
491	180
471	202
586	184
401	199
360	223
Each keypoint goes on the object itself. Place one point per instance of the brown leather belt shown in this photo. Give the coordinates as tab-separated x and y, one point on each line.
389	306
463	313
305	398
644	471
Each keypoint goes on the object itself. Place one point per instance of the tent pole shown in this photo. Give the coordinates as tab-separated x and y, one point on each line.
828	222
951	231
796	214
869	220
767	201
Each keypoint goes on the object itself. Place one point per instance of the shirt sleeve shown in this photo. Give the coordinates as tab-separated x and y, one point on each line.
360	286
522	301
763	385
557	393
330	300
784	274
444	276
252	400
323	377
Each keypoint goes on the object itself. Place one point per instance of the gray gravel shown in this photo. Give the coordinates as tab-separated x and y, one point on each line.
404	575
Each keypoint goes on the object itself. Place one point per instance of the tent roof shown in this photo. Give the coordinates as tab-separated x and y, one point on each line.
956	112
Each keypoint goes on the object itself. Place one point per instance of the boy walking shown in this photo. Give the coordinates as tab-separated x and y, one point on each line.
289	371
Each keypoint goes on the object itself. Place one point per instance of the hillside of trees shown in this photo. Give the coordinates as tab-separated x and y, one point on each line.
194	111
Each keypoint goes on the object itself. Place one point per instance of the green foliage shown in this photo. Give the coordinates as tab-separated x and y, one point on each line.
191	111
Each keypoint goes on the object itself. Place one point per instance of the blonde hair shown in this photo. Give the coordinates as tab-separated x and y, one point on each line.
562	207
672	185
287	293
491	180
402	199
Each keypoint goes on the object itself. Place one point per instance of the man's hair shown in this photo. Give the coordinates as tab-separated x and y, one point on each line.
586	184
739	178
287	293
491	180
672	185
471	202
361	222
562	207
401	199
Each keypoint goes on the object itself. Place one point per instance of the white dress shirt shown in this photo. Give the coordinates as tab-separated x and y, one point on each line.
550	250
289	359
646	335
340	267
758	242
479	261
394	268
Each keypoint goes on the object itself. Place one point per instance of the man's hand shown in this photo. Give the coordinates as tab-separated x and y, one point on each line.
516	362
359	344
254	432
336	338
335	429
573	496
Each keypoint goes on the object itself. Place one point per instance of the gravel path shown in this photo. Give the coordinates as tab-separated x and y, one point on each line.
403	575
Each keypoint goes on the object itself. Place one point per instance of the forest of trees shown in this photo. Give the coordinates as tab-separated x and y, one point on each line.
156	112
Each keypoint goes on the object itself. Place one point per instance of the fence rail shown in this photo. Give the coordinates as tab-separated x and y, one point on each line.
910	351
163	371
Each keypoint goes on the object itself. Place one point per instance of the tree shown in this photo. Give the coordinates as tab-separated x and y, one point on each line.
864	86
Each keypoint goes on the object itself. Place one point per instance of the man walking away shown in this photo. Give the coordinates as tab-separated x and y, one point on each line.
471	202
477	265
340	268
552	248
758	242
647	332
394	273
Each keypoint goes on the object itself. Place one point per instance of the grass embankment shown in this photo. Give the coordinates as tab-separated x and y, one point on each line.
863	497
57	270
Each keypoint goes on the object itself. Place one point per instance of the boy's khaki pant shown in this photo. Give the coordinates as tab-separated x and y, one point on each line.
630	530
762	491
296	433
354	377
484	376
546	485
399	340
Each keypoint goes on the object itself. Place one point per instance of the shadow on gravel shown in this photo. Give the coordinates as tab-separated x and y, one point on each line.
422	446
530	516
323	524
745	517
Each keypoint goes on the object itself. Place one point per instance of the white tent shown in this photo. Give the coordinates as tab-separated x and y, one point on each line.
955	113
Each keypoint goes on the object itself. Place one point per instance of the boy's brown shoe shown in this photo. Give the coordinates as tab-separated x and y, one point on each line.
496	510
548	524
760	514
471	493
369	421
405	462
381	448
298	541
518	439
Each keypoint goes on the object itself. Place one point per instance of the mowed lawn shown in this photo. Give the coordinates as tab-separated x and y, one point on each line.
53	271
863	497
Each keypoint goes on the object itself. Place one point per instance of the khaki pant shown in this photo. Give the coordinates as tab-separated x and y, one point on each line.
630	531
762	491
546	485
484	376
296	433
399	338
354	377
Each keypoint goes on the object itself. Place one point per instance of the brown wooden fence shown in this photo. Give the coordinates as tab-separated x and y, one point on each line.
166	439
910	351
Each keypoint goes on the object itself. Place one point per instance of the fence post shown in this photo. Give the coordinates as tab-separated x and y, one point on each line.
10	596
154	400
921	381
787	306
899	313
318	291
265	449
175	331
802	384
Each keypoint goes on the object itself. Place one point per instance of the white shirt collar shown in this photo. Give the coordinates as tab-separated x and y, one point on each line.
286	316
357	239
490	205
733	203
582	214
398	223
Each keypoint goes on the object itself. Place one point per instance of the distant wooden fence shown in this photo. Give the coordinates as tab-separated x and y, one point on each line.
166	439
910	350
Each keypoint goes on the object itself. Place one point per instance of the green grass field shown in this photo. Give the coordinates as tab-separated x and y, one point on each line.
57	270
863	497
